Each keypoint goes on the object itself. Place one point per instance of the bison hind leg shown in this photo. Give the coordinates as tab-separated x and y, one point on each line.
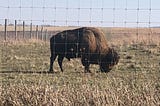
60	60
52	59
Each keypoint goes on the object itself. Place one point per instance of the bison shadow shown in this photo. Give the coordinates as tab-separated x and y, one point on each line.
29	72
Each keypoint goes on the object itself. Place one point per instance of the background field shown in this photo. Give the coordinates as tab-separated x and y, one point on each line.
134	81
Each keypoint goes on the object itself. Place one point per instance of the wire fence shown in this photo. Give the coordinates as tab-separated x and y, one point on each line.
124	22
35	16
132	31
82	13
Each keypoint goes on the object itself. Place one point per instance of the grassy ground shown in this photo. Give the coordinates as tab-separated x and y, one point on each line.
25	81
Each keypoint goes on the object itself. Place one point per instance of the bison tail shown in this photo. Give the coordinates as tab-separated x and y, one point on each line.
52	39
52	44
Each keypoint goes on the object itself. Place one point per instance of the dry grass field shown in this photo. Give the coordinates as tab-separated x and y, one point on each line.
135	81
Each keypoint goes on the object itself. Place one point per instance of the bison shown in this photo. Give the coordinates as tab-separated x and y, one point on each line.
86	43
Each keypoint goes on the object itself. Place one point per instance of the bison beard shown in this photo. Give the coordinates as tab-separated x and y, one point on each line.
86	43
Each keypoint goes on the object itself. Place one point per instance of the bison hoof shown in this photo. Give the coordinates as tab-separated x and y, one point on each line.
105	71
87	71
50	71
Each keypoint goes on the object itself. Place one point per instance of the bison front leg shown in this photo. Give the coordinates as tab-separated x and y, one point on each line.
52	59
86	64
60	60
104	68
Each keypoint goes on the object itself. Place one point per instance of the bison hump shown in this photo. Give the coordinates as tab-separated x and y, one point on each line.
89	41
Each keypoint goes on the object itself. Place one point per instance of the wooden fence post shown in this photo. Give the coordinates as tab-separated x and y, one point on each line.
42	33
31	31
5	30
37	32
15	29
23	29
46	35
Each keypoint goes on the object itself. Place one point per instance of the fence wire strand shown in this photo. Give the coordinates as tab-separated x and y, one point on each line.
86	15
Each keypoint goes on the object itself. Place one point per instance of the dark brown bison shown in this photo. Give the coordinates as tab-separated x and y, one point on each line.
86	43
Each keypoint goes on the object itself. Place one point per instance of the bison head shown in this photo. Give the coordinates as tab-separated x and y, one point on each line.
110	59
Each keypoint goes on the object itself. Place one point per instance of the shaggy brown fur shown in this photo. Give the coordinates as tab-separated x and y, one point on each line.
86	43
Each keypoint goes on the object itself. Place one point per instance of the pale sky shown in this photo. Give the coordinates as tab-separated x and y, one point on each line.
105	13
